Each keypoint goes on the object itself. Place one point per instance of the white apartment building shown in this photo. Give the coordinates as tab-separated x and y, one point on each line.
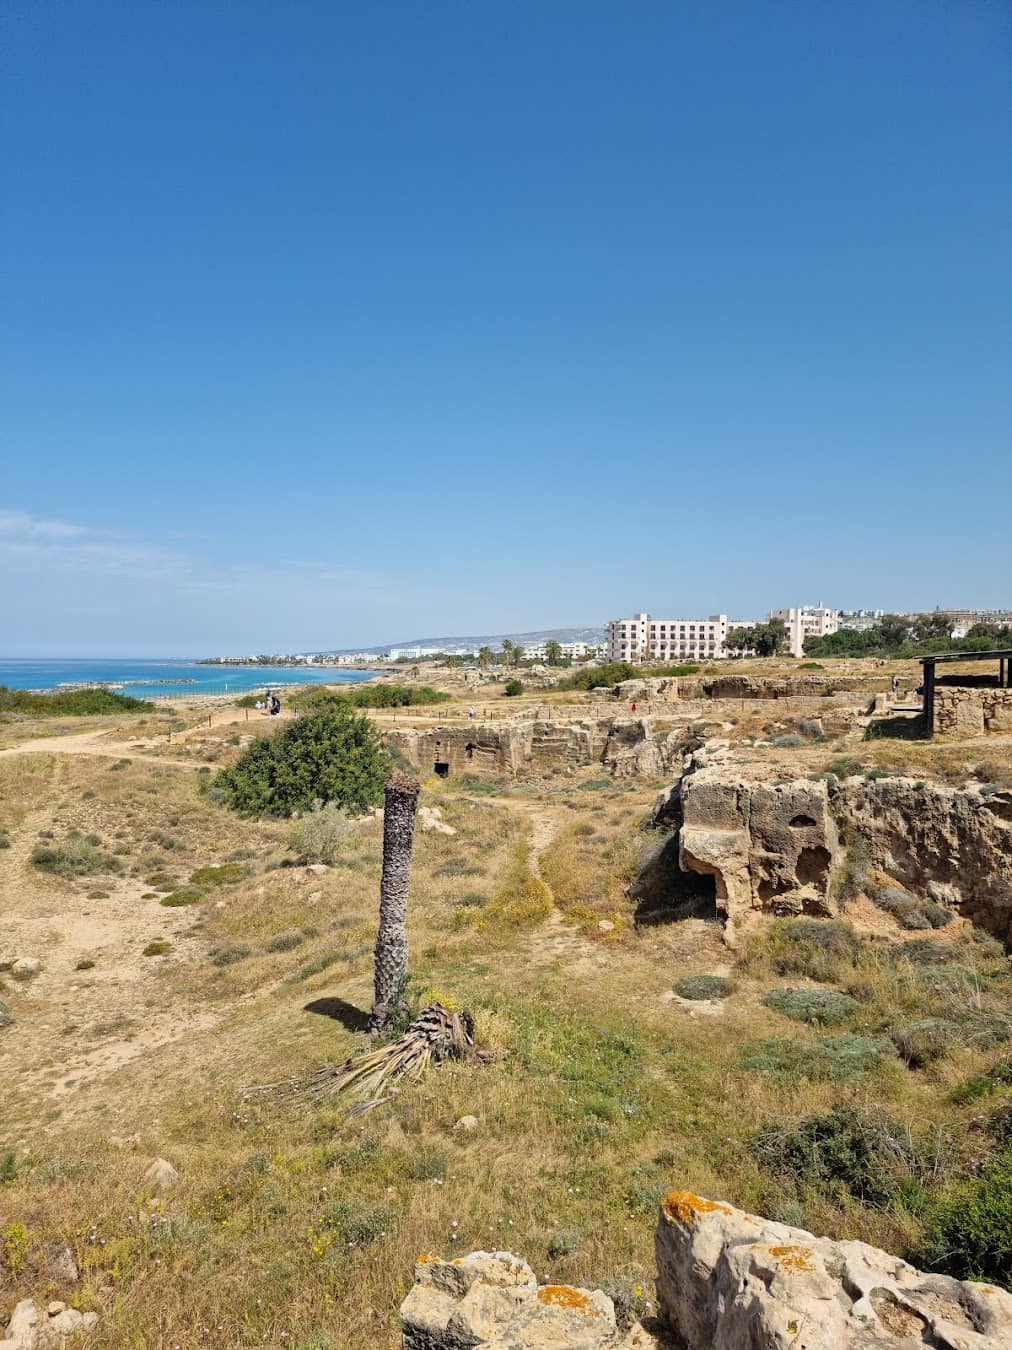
804	623
642	638
573	651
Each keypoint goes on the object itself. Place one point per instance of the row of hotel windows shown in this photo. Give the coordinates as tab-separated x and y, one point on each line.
682	628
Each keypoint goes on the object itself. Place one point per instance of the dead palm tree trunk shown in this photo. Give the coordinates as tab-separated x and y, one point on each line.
391	959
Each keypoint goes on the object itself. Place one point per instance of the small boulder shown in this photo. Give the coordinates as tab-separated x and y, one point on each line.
26	965
430	820
467	1124
23	1328
161	1175
60	1264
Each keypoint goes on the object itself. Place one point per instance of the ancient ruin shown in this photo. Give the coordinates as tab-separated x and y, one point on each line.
961	704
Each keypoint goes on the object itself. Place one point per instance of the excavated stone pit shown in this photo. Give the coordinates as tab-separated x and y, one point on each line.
774	847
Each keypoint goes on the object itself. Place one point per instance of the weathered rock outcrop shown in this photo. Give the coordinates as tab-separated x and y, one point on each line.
743	686
769	845
492	1300
727	1280
653	689
35	1328
953	844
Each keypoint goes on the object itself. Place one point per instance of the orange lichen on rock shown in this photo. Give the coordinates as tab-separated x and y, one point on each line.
686	1207
794	1259
424	1259
564	1296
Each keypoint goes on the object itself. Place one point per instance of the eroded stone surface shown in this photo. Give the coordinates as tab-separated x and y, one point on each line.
954	844
728	1279
769	845
492	1301
35	1328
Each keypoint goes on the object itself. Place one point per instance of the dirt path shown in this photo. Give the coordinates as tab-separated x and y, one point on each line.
92	743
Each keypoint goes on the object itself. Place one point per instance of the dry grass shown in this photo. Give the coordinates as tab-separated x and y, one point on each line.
605	1090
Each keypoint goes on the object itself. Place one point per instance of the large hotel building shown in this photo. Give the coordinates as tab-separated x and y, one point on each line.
642	638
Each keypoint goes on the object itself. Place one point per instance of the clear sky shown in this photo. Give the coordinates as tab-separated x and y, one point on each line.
326	323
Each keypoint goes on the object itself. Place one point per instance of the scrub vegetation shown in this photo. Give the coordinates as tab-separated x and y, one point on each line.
193	938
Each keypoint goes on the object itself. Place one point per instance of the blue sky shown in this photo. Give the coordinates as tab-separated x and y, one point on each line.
325	323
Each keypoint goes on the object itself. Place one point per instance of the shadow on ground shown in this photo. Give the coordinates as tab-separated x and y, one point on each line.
666	894
354	1019
901	728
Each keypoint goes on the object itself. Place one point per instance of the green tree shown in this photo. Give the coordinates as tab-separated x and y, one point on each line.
484	657
930	627
333	755
765	639
893	631
513	688
553	652
508	652
740	640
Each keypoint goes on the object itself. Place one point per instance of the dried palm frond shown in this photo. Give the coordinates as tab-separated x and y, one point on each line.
435	1034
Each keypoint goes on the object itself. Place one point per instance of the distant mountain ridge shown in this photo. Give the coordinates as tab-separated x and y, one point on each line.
493	640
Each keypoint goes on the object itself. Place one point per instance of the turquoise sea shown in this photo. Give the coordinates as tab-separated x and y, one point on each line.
167	679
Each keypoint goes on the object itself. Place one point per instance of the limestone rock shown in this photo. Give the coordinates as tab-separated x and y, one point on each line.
950	842
161	1175
492	1300
727	1279
769	845
23	1328
26	965
32	1329
467	1124
60	1264
430	820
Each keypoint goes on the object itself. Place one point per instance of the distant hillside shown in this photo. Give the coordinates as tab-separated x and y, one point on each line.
493	640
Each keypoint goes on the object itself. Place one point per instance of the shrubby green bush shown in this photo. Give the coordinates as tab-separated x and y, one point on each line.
968	1234
824	1007
77	702
600	677
927	1039
318	836
833	1058
818	948
844	1152
370	696
513	688
703	986
332	755
74	857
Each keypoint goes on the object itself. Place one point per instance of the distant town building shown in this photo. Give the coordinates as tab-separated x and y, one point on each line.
642	638
804	623
571	651
859	620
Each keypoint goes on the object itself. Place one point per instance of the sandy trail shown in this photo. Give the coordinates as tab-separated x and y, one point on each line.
92	743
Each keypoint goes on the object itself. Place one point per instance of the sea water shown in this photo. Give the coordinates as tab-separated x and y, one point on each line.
167	679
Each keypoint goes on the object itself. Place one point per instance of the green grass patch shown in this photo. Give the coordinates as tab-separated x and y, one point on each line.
836	1059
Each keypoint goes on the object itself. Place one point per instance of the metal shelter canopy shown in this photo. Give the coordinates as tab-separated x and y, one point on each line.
1003	655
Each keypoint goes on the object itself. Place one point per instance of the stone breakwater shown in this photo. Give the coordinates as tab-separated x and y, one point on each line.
726	1280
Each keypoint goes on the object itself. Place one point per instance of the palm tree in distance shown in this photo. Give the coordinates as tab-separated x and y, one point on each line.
391	958
485	657
508	650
